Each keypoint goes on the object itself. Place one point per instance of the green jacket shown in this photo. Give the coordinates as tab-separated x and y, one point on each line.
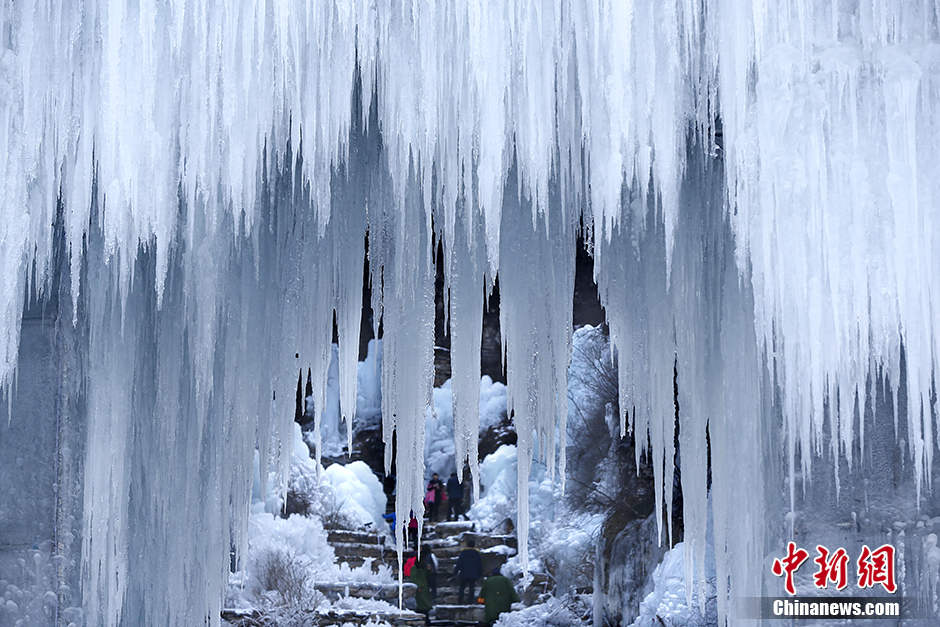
419	577
498	594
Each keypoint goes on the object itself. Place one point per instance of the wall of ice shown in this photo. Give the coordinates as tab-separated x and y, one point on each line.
758	180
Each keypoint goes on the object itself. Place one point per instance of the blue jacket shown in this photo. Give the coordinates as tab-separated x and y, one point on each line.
454	489
469	565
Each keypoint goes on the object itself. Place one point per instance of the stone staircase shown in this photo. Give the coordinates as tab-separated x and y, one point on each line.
446	540
254	618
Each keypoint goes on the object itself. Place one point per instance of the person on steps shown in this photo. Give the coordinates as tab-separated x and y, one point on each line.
432	570
498	595
469	569
419	576
454	497
411	531
434	496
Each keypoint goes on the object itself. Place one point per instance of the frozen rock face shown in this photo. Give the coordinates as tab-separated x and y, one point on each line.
41	444
607	478
202	179
624	570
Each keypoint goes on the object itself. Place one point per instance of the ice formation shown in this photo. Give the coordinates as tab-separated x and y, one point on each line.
758	180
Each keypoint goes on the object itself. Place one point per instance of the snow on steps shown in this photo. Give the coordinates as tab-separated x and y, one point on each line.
254	618
387	592
450	614
354	536
446	540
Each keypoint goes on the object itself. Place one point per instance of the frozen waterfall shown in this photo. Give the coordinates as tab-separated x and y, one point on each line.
195	186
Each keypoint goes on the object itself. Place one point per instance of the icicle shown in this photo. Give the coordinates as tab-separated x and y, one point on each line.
537	269
697	272
465	265
635	298
408	300
104	552
826	178
353	187
738	442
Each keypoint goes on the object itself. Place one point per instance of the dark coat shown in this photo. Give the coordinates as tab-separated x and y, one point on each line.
438	487
469	565
498	594
454	488
419	577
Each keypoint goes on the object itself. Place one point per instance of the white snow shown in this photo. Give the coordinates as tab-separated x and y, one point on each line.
440	454
498	479
563	540
358	493
567	611
351	493
668	602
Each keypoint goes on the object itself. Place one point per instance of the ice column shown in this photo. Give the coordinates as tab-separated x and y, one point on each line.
403	268
353	187
465	261
698	273
167	462
831	139
537	281
632	288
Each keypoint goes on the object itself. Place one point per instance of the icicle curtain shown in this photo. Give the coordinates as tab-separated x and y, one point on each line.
215	175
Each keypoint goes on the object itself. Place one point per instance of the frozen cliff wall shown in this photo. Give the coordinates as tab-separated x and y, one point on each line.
213	168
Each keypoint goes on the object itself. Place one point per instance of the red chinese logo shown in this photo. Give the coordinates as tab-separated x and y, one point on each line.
790	563
877	567
831	568
874	567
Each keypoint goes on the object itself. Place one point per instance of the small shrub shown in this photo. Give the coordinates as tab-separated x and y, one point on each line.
296	503
331	512
290	579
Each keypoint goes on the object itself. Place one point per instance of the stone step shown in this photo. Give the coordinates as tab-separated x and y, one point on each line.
451	528
384	592
347	536
486	541
453	540
445	551
255	618
453	545
451	597
405	618
357	550
446	566
459	613
447	590
355	562
496	555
